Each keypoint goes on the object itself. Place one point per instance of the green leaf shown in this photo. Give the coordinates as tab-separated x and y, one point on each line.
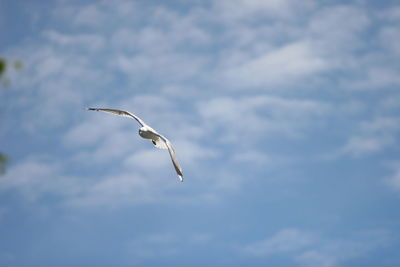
3	162
3	66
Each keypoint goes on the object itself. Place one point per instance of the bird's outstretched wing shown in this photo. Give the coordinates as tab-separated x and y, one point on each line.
120	113
171	151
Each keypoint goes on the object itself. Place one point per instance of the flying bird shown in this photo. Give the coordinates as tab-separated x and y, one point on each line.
148	133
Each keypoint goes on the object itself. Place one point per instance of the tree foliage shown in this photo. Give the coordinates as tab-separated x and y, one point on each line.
6	66
5	81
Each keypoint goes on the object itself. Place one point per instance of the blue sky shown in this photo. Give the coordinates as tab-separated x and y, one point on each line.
285	116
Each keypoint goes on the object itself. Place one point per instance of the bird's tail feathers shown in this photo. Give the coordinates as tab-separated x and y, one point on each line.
159	143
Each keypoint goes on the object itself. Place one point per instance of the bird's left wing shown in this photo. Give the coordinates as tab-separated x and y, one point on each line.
120	113
172	153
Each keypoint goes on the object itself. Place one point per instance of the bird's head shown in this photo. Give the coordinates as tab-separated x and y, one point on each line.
141	131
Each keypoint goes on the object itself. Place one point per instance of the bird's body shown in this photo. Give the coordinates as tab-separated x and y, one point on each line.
147	132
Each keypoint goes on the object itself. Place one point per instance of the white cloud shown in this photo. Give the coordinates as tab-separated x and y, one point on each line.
112	187
377	78
94	128
284	241
252	157
312	249
116	190
88	42
338	29
168	67
391	14
296	61
166	244
390	38
102	138
162	48
251	118
393	181
336	252
382	125
89	15
295	54
390	103
373	136
34	179
165	31
53	85
190	152
149	159
156	245
362	146
231	11
96	14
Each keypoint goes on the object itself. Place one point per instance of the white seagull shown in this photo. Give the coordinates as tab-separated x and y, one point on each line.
148	133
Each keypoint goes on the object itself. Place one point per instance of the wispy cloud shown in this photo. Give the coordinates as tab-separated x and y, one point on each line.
374	136
89	41
165	245
34	179
254	117
297	61
285	241
309	248
393	181
247	10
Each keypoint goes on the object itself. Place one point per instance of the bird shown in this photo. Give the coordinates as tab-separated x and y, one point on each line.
147	132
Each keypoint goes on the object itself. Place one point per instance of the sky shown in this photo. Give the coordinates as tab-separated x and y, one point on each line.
285	117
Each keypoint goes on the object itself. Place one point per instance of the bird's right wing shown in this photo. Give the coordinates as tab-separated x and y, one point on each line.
120	113
172	154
